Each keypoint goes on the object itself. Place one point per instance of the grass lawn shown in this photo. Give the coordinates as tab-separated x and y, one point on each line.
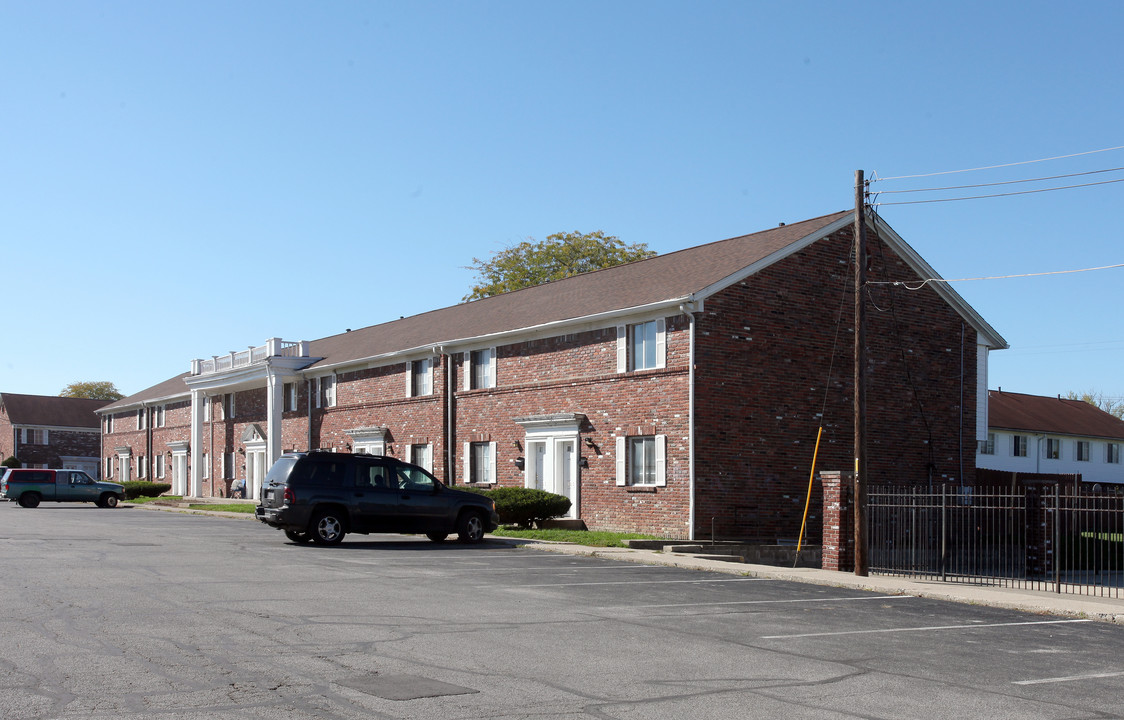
580	537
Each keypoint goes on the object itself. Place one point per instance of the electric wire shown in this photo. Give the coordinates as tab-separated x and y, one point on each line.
995	195
993	167
910	286
1004	182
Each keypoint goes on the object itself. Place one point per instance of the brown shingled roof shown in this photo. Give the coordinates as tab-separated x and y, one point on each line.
51	410
667	277
1035	413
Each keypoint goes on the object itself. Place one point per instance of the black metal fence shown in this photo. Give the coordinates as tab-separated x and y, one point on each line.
1066	539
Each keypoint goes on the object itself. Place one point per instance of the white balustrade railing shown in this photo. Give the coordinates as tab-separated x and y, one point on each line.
274	347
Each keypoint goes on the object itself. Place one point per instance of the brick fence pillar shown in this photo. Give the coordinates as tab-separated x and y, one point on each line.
838	520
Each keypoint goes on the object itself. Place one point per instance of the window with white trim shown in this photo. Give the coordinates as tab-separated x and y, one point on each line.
158	467
421	455
35	436
158	416
109	467
987	447
1018	445
324	391
206	466
289	397
1053	448
1112	453
480	462
228	406
480	369
142	416
142	467
1083	451
227	466
420	378
642	346
642	460
108	424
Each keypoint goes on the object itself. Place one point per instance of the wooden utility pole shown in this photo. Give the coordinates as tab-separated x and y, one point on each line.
861	564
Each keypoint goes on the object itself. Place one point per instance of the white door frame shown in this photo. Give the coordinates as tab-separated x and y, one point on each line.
256	468
554	433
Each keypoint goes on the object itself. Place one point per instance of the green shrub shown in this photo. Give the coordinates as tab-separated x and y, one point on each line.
11	462
524	506
142	488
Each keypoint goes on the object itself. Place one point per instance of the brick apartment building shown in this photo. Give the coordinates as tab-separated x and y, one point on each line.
49	431
679	395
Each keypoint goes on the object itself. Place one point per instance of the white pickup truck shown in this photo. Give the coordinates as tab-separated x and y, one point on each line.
29	487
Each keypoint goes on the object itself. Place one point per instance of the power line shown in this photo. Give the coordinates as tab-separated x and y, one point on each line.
1005	182
917	286
995	195
992	167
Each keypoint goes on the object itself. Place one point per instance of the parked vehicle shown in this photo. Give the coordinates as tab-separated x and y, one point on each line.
29	487
322	496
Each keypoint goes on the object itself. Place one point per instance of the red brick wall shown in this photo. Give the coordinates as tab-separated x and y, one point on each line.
577	374
764	351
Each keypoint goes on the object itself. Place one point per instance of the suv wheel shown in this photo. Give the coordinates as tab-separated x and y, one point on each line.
437	536
327	528
470	527
29	500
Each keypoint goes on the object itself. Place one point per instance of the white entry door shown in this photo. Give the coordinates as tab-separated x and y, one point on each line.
179	474
256	469
552	466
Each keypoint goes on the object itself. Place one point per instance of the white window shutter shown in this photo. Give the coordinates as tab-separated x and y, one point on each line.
622	476
466	370
409	378
428	377
408	453
492	367
622	348
467	463
492	462
661	460
661	343
331	393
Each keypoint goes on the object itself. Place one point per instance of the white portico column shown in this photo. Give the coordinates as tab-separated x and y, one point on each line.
195	483
275	398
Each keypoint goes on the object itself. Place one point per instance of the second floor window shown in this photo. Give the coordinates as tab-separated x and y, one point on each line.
1053	448
289	400
1112	453
482	369
987	447
421	377
1018	445
642	346
1083	450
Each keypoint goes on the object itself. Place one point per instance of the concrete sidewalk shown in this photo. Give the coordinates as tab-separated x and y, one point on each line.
1104	609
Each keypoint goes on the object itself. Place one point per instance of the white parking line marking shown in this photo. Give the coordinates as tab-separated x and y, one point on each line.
922	629
756	602
1069	678
632	582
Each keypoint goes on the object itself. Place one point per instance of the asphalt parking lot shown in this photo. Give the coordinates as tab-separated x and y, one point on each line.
130	613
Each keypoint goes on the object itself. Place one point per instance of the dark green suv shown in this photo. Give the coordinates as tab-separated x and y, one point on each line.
322	496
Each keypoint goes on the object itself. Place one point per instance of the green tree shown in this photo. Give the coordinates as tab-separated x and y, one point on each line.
93	390
561	255
1112	406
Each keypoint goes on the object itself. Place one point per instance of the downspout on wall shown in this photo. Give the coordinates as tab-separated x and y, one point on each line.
688	310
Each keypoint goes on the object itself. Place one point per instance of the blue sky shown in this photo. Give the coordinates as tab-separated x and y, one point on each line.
182	179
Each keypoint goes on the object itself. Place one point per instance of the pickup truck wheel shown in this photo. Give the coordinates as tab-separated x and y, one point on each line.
29	500
298	537
437	537
109	501
327	528
470	527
